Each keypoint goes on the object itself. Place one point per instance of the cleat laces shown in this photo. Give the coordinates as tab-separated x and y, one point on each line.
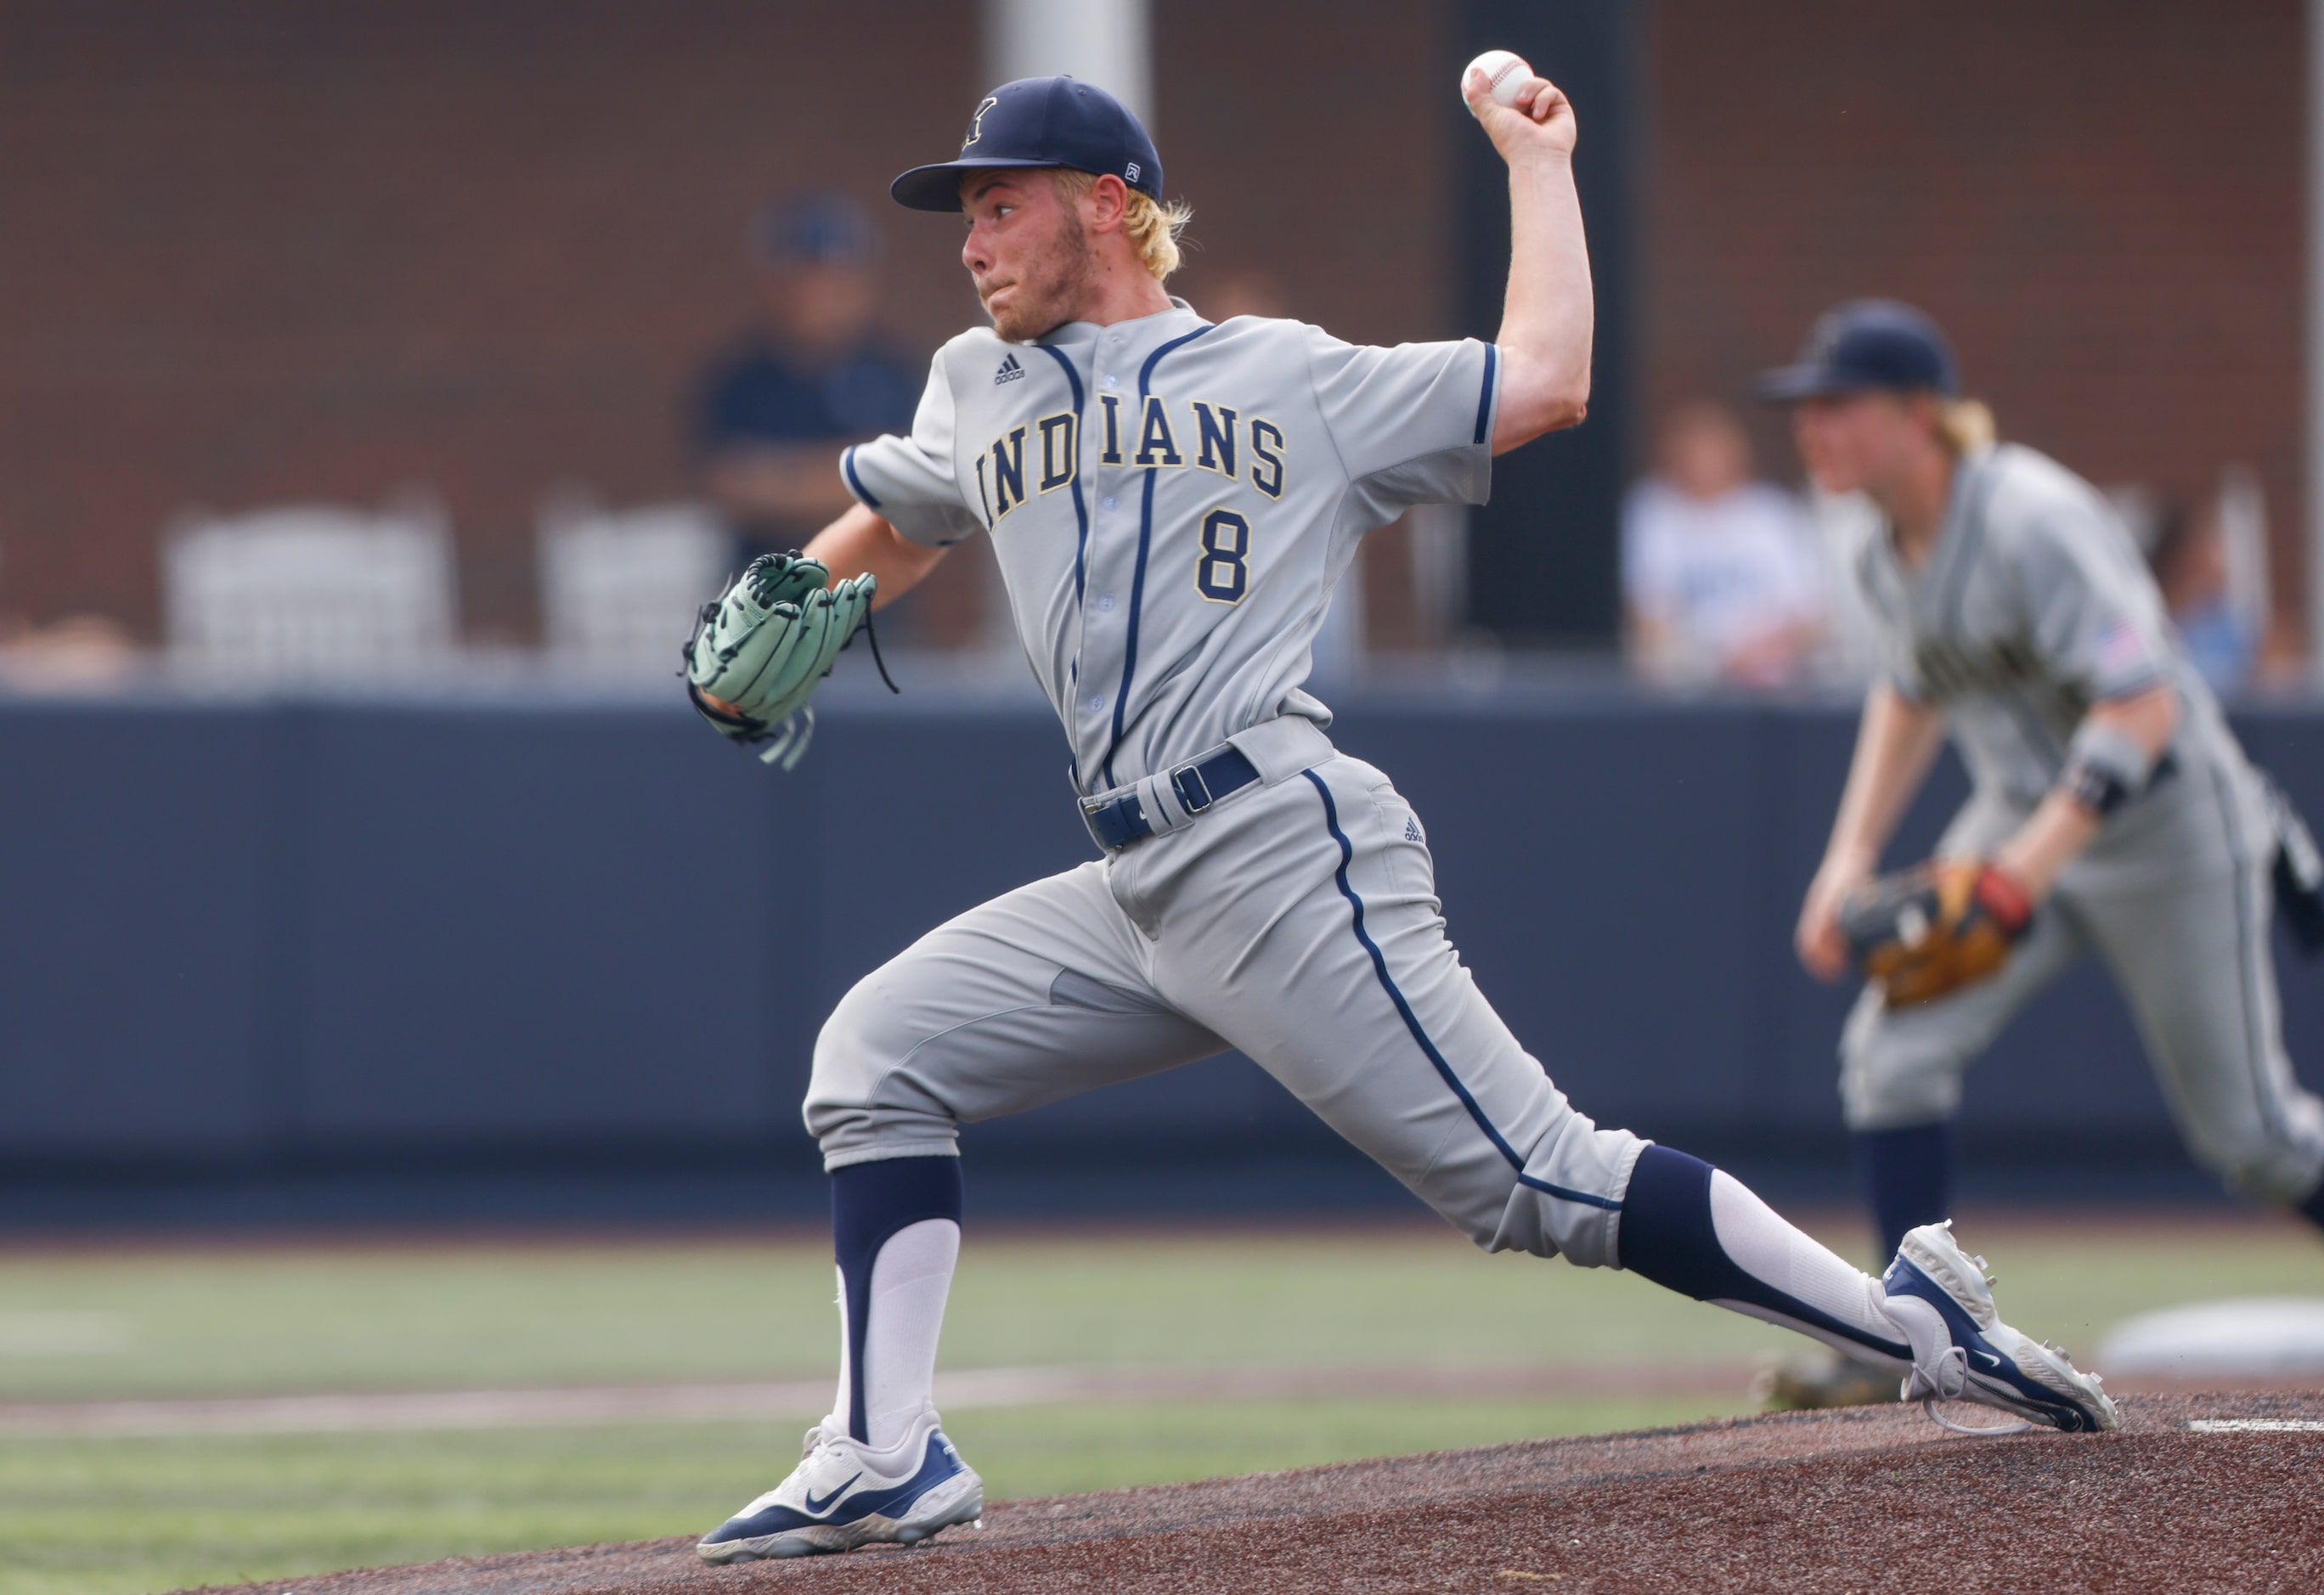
1929	1405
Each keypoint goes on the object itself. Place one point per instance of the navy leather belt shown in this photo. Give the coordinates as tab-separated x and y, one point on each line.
1118	823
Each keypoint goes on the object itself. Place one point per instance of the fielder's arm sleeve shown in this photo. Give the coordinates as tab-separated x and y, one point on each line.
913	482
1414	424
2095	617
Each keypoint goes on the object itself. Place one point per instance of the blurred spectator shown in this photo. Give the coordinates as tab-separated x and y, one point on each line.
815	374
1722	574
1842	524
79	653
1246	292
2191	566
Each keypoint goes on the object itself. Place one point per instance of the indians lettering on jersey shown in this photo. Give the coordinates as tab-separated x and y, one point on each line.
1140	433
1171	502
1948	670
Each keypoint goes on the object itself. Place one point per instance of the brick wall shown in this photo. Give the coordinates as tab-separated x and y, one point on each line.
260	250
1337	186
2100	199
268	250
265	250
1340	192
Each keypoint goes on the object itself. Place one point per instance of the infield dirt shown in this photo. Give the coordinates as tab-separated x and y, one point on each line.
1862	1500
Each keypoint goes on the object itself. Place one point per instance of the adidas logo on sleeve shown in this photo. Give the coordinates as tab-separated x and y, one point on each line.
1009	373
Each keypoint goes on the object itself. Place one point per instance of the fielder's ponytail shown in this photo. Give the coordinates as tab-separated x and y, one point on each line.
1964	426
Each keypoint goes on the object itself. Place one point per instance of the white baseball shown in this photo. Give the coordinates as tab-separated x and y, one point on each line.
1505	70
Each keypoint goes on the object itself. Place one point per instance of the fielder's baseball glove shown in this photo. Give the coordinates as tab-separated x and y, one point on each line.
1930	931
763	646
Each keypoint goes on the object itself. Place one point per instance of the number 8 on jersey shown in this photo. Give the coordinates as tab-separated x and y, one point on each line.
1222	574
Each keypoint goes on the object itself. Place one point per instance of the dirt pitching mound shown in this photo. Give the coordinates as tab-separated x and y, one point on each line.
1863	1500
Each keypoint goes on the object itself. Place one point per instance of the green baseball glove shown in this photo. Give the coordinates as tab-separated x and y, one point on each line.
761	649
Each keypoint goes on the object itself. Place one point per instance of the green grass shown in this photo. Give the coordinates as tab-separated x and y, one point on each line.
225	1324
114	1325
123	1516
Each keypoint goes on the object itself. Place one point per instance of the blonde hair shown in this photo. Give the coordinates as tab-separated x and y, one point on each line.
1151	226
1964	426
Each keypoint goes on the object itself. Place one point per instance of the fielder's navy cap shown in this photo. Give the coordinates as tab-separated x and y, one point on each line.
1867	344
1041	121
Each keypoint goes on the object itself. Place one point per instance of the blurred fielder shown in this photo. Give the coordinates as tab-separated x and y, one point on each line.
1171	502
2112	808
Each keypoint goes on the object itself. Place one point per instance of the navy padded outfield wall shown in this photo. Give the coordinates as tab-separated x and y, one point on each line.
234	937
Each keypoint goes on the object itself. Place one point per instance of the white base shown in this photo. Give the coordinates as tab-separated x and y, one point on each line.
2278	1337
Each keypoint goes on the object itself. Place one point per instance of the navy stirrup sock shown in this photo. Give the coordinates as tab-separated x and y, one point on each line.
1908	1178
869	1203
1669	1235
2313	1208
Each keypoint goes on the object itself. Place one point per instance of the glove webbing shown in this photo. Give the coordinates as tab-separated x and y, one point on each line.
788	741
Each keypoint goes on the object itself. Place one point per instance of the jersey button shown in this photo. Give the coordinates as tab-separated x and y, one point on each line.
1109	502
1097	701
1105	603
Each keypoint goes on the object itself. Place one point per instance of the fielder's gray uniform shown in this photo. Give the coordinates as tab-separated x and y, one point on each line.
2034	606
1171	503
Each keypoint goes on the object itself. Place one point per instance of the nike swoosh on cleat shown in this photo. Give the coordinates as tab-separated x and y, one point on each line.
825	1505
1989	1360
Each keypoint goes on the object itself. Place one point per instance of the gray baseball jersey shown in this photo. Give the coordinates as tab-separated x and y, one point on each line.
1172	503
2033	606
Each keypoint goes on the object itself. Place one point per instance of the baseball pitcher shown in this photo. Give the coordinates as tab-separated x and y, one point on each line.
1171	502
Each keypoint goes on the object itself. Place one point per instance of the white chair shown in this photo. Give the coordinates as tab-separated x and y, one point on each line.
619	589
311	591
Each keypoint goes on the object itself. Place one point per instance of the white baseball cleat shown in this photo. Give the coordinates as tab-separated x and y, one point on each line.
1962	1351
842	1496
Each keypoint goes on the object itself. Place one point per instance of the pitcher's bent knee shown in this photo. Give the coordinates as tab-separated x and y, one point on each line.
1567	1200
861	1104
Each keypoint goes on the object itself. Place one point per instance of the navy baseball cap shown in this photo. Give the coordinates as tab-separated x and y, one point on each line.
1041	121
1867	344
814	230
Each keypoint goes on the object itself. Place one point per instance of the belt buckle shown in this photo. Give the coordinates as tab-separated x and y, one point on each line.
1115	825
1191	774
